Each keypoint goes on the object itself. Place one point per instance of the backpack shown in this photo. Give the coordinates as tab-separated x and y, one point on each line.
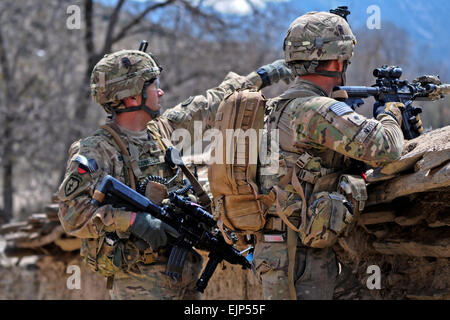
232	175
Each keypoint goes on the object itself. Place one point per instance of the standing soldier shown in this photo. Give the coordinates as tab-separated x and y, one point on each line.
319	191
131	249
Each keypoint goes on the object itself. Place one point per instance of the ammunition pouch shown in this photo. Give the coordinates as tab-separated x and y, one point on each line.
354	189
328	217
109	255
333	214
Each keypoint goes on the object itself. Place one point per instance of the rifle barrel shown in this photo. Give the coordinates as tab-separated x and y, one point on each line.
359	91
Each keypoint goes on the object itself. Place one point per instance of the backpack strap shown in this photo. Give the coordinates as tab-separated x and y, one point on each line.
124	150
292	231
127	160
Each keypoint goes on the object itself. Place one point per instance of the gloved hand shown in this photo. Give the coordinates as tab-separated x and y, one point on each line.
391	108
417	123
151	230
273	72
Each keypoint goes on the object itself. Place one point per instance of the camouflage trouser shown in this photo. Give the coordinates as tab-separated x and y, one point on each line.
152	284
316	274
315	271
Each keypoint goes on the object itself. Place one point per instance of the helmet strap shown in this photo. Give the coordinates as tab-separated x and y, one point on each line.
312	66
152	113
142	106
330	74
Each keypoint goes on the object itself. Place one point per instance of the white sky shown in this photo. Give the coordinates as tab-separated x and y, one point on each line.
240	7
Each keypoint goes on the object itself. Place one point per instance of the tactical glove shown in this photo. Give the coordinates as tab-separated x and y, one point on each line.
273	72
394	109
151	230
417	123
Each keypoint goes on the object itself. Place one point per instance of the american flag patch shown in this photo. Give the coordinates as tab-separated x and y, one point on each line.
86	163
341	108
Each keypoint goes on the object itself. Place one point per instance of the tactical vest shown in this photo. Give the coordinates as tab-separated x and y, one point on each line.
305	168
115	252
312	196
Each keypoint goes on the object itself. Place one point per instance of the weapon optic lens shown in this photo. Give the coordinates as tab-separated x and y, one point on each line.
388	72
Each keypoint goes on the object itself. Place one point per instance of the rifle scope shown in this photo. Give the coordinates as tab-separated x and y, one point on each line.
388	72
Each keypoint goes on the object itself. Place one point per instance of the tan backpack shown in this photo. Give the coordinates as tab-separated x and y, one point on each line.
232	176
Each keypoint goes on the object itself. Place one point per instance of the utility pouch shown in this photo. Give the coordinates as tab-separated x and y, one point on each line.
354	189
89	250
328	217
109	258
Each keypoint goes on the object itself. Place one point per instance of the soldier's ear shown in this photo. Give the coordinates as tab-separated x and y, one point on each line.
336	65
133	101
331	65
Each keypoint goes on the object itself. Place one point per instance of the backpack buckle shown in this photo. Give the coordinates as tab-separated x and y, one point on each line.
303	160
308	176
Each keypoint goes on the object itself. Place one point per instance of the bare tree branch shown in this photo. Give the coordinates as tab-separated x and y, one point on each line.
4	60
161	31
124	31
25	87
111	25
196	11
89	35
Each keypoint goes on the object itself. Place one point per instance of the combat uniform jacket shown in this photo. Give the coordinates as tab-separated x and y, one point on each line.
333	136
81	219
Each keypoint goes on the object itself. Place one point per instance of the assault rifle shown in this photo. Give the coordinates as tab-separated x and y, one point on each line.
389	88
194	224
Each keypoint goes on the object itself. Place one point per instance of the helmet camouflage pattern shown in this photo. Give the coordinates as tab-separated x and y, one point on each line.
122	74
318	36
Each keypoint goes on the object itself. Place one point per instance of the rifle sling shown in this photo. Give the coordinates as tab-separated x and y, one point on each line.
198	189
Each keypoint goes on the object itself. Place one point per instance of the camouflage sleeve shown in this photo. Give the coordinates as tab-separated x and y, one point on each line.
204	107
335	125
76	214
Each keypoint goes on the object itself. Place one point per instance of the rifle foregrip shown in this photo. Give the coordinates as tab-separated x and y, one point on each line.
211	266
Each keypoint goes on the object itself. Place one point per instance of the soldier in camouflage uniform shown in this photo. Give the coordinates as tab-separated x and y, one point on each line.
319	191
131	249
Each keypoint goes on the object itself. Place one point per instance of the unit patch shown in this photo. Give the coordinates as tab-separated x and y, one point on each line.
356	119
71	185
186	102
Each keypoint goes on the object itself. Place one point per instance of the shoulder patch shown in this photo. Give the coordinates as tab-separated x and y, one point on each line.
186	102
72	185
366	130
356	119
87	164
341	108
175	116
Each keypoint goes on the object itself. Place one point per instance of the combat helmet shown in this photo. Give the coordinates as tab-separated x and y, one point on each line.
318	36
125	73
